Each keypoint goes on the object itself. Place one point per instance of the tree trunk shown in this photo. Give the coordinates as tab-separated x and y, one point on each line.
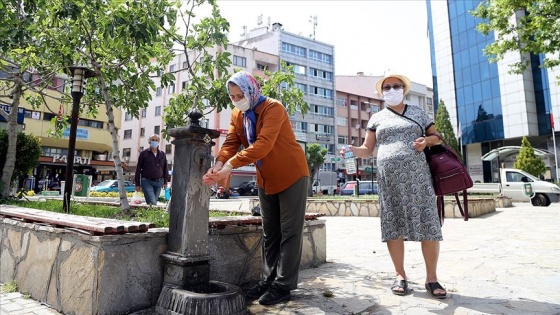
9	166
125	207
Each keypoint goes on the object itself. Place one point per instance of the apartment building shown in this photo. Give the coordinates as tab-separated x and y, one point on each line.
493	107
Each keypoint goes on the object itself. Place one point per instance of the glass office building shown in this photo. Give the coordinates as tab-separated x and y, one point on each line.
492	107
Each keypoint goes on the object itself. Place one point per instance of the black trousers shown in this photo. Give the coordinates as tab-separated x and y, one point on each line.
283	216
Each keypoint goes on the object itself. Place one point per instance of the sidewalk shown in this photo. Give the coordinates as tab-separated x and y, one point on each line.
507	262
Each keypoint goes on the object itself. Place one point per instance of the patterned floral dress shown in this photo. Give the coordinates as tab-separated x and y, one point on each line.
406	196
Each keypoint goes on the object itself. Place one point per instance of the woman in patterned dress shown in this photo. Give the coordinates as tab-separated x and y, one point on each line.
407	201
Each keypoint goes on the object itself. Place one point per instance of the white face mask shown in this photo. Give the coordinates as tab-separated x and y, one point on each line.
242	105
393	97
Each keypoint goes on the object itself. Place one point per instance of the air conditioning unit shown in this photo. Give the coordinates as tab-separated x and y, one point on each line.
357	126
368	110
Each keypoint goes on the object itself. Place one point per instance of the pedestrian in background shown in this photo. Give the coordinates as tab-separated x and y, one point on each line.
262	126
151	171
407	201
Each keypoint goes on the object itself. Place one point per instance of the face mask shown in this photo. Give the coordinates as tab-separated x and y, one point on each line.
242	105
153	144
393	97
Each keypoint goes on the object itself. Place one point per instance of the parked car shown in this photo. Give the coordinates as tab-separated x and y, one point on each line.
112	185
245	188
365	188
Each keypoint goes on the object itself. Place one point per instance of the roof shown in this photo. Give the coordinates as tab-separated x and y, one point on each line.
503	152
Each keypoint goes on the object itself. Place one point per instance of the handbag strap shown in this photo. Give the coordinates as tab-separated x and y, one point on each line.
441	207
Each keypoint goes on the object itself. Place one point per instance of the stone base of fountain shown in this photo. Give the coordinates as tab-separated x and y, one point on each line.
216	298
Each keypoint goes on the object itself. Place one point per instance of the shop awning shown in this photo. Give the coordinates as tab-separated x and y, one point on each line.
504	152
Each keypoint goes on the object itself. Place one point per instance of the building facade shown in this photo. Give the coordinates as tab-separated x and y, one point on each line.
490	106
93	148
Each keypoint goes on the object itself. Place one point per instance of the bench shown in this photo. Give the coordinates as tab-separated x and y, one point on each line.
87	225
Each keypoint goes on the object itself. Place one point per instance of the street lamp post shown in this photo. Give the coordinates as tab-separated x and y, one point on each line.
79	74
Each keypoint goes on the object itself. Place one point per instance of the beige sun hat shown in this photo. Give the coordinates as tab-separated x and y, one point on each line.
404	80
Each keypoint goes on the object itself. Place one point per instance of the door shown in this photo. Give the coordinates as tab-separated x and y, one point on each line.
513	186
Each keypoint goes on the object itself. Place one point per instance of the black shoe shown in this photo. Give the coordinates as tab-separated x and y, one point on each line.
275	295
257	291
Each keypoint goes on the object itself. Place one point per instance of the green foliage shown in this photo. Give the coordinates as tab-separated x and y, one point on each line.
537	30
28	151
9	287
444	127
315	158
528	161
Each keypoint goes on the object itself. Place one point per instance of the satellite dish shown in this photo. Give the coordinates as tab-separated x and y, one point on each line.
368	110
357	126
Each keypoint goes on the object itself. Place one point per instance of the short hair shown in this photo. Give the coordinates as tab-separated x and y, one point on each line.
154	136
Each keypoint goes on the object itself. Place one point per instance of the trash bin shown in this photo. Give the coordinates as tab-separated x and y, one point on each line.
81	185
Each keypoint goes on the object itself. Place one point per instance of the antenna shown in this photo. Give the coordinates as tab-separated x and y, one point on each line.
313	20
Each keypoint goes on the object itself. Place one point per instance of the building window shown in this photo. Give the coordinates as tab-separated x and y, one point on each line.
319	56
126	152
168	149
239	61
342	139
300	126
321	74
185	65
128	134
341	121
142	132
302	87
298	69
261	67
32	114
321	92
341	102
90	123
322	110
183	85
47	151
171	68
156	130
141	149
128	116
171	89
429	101
158	111
143	112
322	129
294	49
158	91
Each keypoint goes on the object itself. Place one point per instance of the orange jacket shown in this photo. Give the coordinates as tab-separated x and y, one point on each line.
282	159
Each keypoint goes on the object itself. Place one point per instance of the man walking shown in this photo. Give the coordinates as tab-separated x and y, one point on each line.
151	171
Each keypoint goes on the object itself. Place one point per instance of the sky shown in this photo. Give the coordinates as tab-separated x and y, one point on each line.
369	36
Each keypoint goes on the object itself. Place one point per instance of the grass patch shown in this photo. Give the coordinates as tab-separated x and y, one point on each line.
158	216
9	287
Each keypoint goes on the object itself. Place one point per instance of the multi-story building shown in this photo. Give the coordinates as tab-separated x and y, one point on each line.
314	65
492	106
93	147
356	101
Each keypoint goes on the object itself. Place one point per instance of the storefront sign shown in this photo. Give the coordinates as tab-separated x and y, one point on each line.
81	134
77	159
323	137
8	110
